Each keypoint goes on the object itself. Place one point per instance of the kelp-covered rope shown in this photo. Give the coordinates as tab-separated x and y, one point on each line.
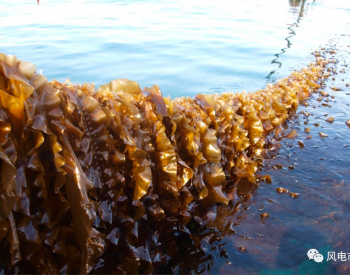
86	174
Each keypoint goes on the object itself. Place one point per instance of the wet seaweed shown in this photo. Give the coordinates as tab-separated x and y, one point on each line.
122	180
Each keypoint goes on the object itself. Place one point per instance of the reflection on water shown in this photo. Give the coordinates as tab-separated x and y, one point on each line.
298	7
209	238
294	3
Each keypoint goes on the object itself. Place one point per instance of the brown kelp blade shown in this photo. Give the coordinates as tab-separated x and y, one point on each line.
103	179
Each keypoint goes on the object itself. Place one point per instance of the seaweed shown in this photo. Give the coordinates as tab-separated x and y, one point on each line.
117	179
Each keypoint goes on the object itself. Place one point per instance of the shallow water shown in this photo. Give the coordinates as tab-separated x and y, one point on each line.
207	46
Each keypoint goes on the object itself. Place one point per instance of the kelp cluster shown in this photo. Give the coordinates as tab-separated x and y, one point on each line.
103	181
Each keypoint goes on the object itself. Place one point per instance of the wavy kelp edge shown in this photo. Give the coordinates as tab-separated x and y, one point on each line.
102	178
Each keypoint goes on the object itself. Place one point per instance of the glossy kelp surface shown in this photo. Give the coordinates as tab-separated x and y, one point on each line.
109	180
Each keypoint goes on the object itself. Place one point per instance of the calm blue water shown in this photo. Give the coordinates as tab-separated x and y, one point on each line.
186	47
189	47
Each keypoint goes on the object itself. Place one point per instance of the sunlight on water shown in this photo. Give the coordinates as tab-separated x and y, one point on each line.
183	47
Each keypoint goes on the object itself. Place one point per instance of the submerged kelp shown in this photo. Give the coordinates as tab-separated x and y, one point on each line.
106	180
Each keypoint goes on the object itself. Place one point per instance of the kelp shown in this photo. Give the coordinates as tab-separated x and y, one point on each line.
104	180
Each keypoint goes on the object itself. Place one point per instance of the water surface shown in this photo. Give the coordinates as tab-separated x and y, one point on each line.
185	47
